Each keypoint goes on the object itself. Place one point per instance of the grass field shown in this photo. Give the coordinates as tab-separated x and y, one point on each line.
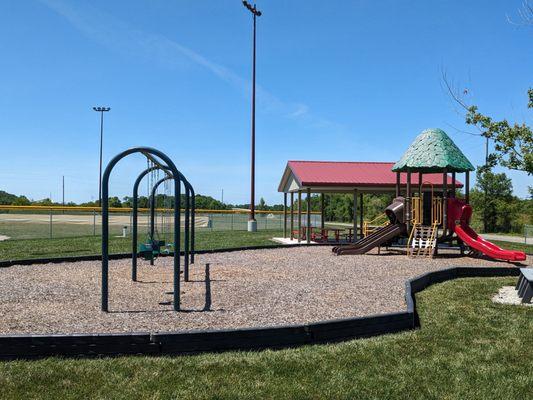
526	248
87	245
467	348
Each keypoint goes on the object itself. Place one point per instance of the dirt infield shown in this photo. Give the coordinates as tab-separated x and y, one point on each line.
246	289
86	219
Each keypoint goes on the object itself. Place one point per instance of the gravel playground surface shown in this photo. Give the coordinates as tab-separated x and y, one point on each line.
247	289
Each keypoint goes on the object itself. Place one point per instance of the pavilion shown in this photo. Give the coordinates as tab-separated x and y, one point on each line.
356	178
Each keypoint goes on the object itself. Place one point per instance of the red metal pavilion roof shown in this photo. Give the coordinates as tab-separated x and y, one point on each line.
316	174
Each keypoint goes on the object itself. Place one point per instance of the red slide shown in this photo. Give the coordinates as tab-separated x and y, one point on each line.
457	208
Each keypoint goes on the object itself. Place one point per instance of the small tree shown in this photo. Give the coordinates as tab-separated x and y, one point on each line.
493	199
262	205
513	143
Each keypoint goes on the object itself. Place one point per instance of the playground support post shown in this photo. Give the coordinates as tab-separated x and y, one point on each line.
299	216
308	231
408	202
284	215
193	220
397	184
452	195
467	187
292	216
187	233
444	203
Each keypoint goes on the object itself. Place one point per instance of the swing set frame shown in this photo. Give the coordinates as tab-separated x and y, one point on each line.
162	162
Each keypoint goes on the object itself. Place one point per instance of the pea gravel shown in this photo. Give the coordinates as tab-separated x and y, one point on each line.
248	289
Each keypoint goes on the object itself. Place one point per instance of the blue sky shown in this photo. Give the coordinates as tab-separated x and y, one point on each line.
354	80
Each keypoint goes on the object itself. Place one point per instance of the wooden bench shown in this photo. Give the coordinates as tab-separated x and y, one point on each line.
525	285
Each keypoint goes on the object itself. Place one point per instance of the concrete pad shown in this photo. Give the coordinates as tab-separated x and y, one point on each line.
289	242
509	295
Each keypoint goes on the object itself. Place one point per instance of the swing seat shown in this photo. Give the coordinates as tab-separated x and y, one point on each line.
151	250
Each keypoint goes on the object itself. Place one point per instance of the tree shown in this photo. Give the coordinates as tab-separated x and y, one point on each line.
262	205
22	201
492	198
114	202
513	143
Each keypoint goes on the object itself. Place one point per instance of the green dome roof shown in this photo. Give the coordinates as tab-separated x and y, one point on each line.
433	151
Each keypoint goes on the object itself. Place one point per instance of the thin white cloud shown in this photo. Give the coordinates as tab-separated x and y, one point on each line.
119	36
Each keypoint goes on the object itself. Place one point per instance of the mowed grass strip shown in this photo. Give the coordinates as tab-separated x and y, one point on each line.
91	245
526	248
205	240
467	348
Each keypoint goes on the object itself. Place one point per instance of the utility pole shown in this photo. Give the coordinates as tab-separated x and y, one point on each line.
63	190
252	223
101	110
222	196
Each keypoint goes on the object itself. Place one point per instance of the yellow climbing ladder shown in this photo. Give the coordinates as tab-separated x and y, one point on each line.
422	240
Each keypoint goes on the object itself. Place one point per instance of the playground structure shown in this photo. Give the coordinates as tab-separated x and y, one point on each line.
350	178
396	227
156	160
446	220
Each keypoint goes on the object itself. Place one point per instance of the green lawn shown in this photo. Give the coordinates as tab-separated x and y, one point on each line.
468	348
527	248
86	245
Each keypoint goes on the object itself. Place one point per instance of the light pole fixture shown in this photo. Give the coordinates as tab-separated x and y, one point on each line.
101	110
252	223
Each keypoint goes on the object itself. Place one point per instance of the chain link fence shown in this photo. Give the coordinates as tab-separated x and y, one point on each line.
57	222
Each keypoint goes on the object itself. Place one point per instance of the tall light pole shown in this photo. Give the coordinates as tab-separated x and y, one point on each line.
101	110
252	223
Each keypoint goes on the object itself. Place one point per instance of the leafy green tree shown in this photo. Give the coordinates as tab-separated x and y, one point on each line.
7	198
513	143
21	201
493	201
114	202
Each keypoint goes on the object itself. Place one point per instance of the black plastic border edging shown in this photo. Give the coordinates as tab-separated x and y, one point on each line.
187	342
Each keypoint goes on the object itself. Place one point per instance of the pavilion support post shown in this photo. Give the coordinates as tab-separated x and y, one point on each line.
308	231
292	216
299	216
284	215
467	187
452	195
420	184
354	238
397	184
444	203
408	202
361	214
322	211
